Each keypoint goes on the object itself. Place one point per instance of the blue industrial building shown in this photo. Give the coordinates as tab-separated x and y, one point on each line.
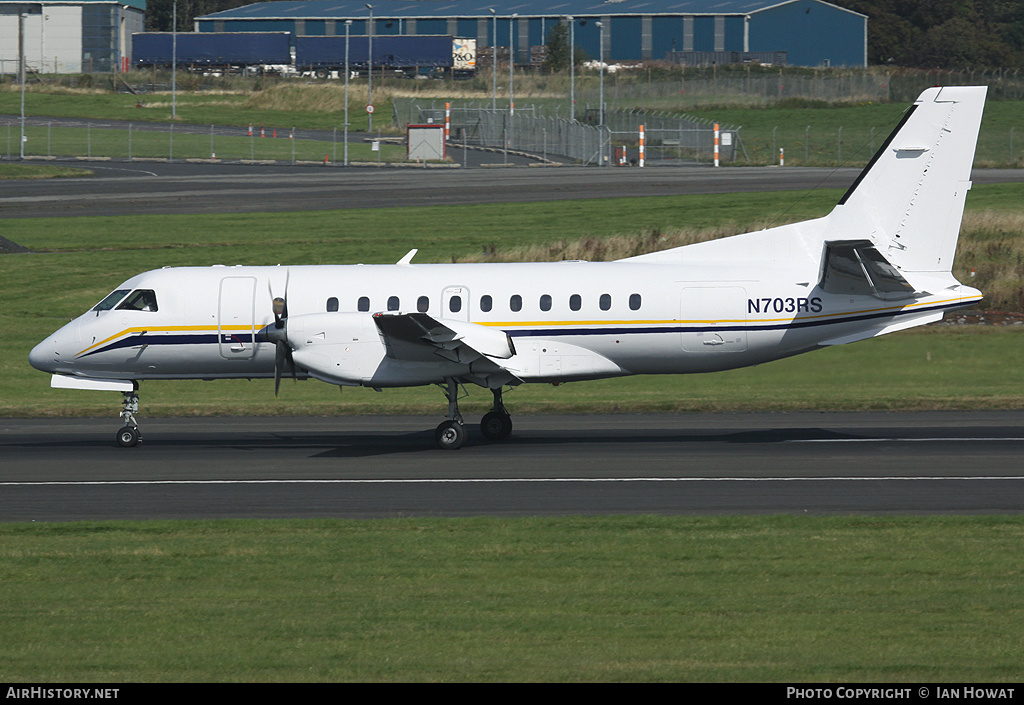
811	32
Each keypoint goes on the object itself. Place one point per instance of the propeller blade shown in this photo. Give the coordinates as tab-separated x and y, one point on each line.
282	352
279	354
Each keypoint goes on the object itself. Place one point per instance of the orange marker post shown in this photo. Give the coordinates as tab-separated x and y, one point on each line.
641	162
717	135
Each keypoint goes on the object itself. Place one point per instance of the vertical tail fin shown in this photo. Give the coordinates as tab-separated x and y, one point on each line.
910	198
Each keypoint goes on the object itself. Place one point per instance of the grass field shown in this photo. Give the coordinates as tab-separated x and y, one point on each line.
848	135
302	107
817	133
43	140
776	599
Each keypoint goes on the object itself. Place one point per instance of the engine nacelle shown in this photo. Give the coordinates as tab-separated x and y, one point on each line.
341	348
347	349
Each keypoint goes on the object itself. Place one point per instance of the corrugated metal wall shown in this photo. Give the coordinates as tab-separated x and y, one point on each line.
811	32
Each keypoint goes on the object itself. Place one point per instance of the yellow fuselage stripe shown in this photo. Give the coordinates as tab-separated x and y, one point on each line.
528	324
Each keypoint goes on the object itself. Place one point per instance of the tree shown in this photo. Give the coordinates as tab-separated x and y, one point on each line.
159	13
558	48
948	34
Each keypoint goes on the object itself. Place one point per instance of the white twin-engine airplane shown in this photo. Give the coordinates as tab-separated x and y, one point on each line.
879	262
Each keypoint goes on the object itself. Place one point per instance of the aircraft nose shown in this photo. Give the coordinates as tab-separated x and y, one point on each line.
42	355
56	353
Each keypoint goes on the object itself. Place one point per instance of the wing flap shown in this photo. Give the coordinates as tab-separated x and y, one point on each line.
418	337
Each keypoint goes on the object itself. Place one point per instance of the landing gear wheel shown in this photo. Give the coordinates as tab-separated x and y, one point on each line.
128	437
450	435
496	426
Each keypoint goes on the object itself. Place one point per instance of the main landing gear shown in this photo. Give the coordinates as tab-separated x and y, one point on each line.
496	424
129	435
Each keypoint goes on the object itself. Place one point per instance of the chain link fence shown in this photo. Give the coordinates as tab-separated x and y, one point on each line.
743	89
730	86
138	141
669	138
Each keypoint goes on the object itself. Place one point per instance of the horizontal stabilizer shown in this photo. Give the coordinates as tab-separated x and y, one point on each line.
902	324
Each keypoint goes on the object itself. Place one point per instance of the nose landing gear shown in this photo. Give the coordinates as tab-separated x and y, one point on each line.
129	435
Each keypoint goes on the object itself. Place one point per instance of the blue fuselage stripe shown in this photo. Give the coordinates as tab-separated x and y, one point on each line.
214	339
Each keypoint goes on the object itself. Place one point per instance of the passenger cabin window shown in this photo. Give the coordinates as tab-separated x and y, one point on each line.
634	302
422	304
364	303
111	301
605	302
575	302
332	304
545	302
486	303
139	300
455	304
393	304
516	302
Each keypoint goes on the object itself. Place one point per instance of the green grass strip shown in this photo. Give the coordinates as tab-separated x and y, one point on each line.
895	599
40	171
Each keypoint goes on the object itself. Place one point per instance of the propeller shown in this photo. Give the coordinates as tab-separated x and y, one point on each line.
277	333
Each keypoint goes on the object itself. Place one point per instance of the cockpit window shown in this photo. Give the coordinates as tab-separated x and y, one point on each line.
111	300
140	300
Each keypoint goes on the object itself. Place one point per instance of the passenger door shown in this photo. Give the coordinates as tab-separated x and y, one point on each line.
236	318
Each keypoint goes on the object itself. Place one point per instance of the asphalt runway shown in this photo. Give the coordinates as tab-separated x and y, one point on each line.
138	188
157	188
362	467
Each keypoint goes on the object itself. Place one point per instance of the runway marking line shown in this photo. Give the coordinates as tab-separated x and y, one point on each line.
410	481
897	440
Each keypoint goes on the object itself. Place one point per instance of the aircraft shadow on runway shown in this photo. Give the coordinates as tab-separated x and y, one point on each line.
352	444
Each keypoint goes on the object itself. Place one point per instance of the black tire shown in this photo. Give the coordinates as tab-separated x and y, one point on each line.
450	435
128	437
496	426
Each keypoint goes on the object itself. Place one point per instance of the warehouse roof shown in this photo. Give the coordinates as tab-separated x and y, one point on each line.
137	4
289	9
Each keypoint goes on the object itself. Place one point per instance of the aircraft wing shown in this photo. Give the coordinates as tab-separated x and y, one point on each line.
417	337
